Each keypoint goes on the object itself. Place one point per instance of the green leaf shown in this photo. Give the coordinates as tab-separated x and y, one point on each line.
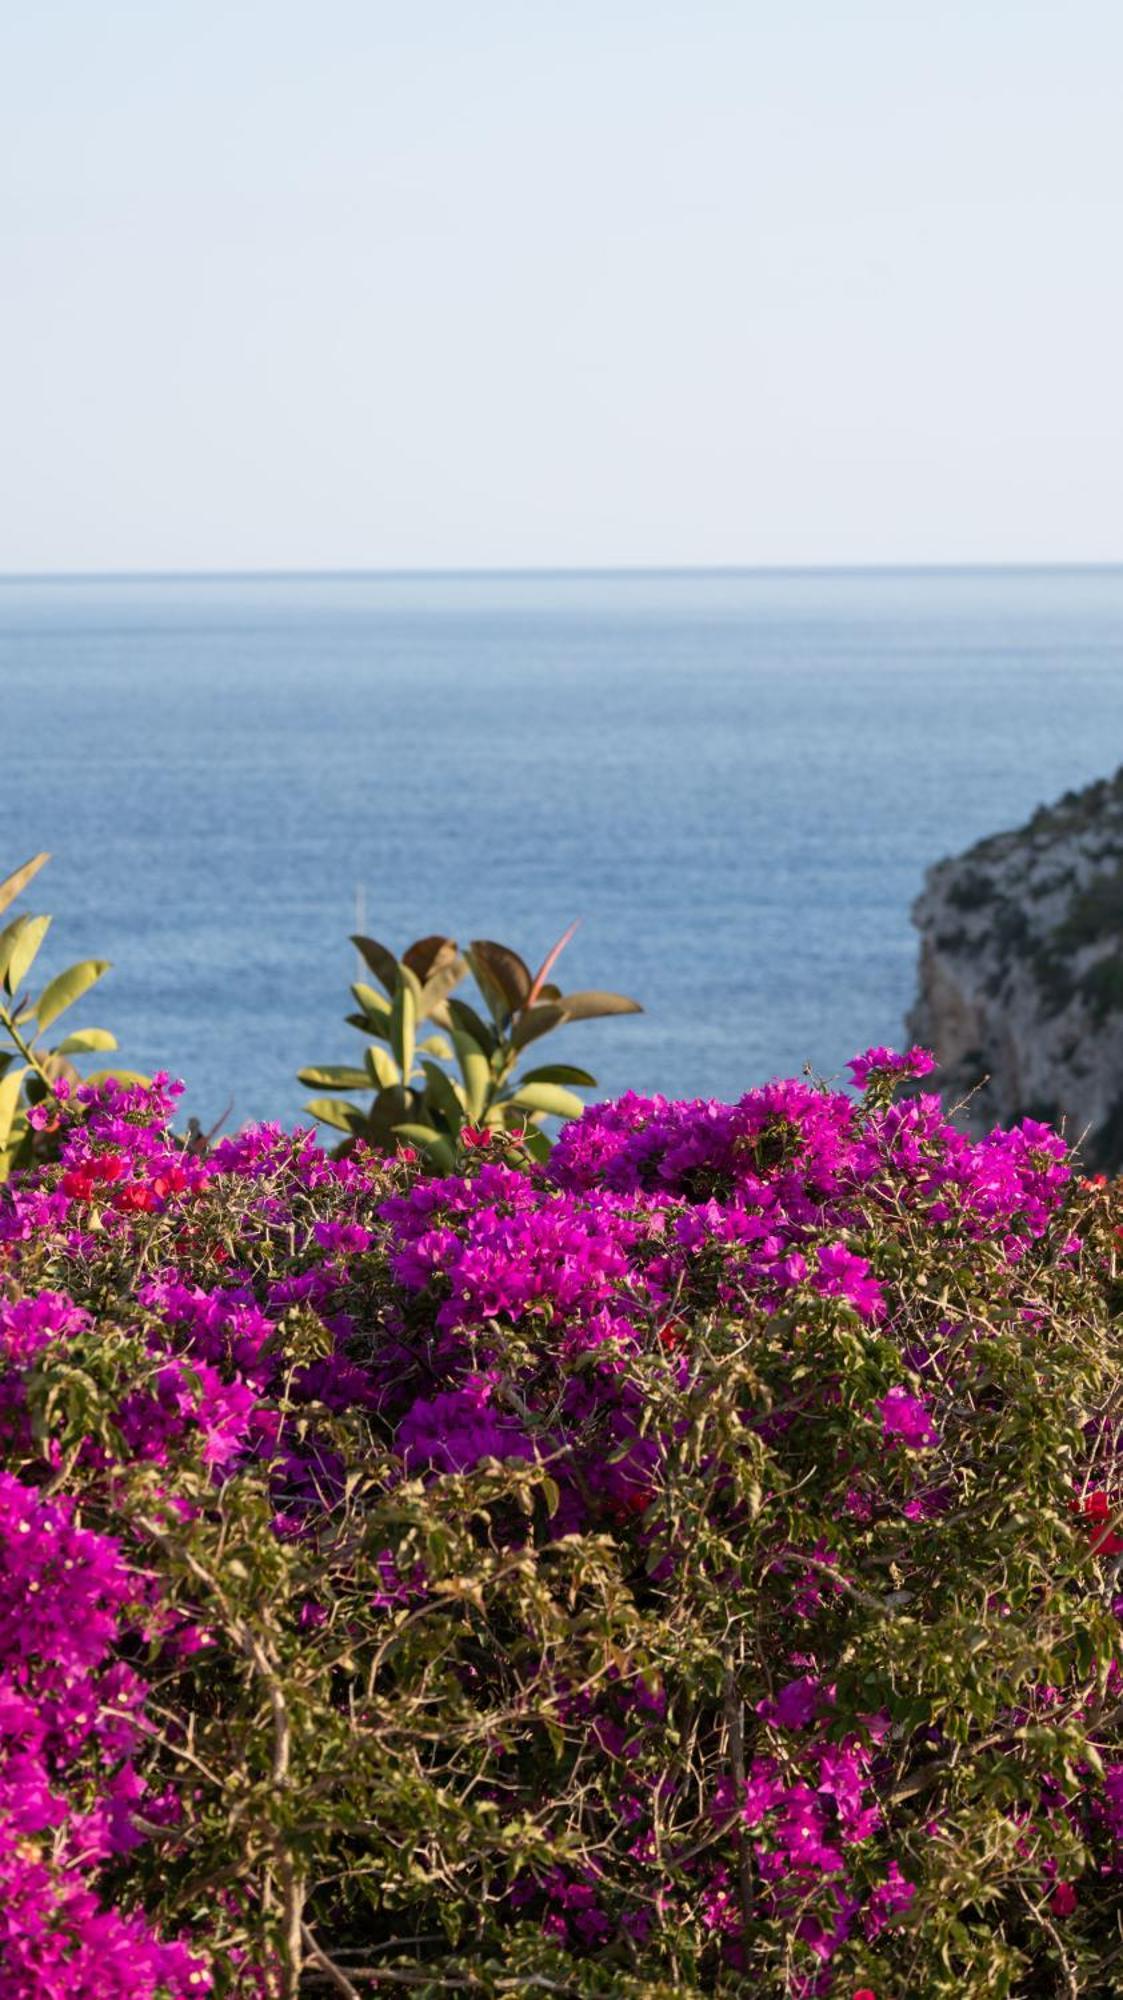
373	1004
592	1005
502	976
382	963
381	1067
9	938
403	1021
437	987
547	1097
462	1016
443	1095
334	1076
420	1135
25	947
126	1077
9	1099
86	1041
559	1073
62	991
476	1071
537	1020
434	1143
14	885
538	1144
346	1117
436	1045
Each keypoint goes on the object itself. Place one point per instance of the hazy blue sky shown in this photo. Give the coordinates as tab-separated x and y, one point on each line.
457	282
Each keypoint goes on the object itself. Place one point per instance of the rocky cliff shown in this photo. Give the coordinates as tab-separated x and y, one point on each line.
1021	973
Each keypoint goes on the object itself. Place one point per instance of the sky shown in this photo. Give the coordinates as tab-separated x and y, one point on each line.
454	283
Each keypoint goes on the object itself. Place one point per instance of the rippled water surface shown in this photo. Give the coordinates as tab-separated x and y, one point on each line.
736	780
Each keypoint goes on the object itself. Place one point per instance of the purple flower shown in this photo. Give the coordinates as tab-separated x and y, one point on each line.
796	1705
889	1900
906	1417
454	1431
842	1275
888	1063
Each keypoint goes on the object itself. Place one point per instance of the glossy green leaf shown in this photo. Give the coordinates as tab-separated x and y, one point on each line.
86	1041
476	1071
464	1017
372	1002
434	993
382	963
67	987
537	1020
592	1005
381	1067
547	1097
24	949
9	1099
9	937
502	976
14	885
345	1117
417	1134
538	1144
559	1073
334	1076
367	1025
444	1096
436	1045
403	1022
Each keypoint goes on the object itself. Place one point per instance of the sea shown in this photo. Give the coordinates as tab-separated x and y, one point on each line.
734	779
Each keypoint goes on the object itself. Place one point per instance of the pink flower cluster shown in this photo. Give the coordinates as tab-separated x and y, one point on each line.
70	1723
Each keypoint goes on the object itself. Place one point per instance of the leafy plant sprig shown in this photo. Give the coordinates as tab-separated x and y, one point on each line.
425	1091
29	1071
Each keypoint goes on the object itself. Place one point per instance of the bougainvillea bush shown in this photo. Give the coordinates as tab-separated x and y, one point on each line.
685	1566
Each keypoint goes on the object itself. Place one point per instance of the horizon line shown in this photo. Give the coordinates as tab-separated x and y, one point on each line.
400	573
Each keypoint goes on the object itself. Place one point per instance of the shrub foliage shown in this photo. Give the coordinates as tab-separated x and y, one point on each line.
28	1068
684	1566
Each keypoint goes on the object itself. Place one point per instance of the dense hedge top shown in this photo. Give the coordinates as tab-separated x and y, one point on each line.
687	1566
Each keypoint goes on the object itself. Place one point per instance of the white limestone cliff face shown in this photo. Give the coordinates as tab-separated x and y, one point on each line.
1021	973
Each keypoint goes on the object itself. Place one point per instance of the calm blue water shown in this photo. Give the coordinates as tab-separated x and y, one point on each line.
736	780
